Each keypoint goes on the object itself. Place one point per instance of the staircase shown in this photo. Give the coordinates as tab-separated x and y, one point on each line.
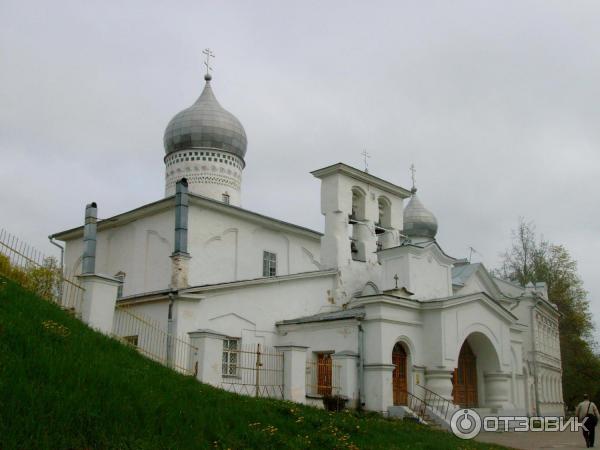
433	409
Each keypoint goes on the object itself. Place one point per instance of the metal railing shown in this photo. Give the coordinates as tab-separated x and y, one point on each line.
150	339
441	405
416	405
253	369
39	273
43	276
323	378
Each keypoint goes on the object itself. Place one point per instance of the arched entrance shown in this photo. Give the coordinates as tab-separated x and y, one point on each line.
400	374
478	380
464	381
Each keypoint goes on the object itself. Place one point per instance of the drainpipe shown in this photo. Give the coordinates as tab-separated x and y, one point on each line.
62	251
181	216
88	264
535	376
170	326
361	366
180	256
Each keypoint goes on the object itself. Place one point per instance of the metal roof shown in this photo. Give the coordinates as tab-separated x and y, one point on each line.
460	274
418	220
351	313
206	124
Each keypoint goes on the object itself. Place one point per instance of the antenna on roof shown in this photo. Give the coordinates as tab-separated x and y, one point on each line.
471	251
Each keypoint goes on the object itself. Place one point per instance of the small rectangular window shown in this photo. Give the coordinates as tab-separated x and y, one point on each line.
269	264
231	350
131	340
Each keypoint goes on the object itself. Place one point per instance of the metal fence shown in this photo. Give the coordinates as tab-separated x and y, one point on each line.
253	369
39	273
323	377
150	339
43	275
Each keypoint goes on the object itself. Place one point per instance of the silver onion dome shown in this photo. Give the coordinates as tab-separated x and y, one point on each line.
419	221
206	124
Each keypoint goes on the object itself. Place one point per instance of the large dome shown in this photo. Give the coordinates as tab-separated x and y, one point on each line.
419	221
206	124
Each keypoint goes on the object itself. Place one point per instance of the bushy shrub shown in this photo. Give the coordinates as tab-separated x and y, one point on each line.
44	280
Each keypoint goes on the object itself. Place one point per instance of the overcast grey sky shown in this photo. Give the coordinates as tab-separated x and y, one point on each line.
496	103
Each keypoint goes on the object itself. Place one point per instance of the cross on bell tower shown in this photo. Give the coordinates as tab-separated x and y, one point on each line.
365	156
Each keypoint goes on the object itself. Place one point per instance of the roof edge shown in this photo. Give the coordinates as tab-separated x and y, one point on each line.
362	176
165	202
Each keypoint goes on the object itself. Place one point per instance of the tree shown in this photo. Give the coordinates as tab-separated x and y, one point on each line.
530	259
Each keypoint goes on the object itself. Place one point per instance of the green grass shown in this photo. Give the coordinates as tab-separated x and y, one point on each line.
64	386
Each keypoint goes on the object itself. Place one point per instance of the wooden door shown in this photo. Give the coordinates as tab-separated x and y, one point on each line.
465	378
324	374
399	376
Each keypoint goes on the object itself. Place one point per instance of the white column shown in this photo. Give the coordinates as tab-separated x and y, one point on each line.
99	300
347	364
378	387
210	355
440	382
497	390
294	372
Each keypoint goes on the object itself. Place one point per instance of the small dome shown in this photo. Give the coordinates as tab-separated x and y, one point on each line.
418	221
206	124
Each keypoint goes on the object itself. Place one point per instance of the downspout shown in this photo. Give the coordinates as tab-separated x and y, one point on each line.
62	251
170	326
179	260
181	217
361	366
535	377
88	264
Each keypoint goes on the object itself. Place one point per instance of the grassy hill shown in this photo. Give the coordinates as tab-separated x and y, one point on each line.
64	386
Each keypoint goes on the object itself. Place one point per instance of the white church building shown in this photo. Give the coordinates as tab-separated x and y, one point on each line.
371	309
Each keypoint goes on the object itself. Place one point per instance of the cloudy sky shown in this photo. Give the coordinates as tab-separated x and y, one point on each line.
496	103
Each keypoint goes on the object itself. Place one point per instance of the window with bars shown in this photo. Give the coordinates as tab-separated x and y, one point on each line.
269	264
231	348
225	198
324	373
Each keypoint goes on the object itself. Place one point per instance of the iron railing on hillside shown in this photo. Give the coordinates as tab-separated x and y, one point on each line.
43	275
39	273
149	337
253	369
